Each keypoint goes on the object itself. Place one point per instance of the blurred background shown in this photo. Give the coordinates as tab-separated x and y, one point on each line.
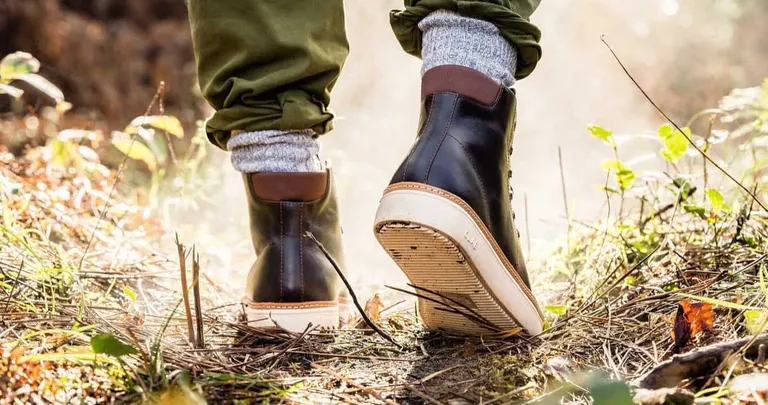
109	57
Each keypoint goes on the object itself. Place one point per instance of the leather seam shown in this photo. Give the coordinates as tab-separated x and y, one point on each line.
474	166
445	133
413	150
301	248
298	305
473	101
282	252
486	232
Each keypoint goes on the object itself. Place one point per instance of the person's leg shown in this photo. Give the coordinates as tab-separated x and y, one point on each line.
267	67
510	17
446	218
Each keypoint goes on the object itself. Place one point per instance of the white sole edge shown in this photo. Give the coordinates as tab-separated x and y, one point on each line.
447	217
293	319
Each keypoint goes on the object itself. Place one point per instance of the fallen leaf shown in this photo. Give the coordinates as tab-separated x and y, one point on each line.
691	320
373	307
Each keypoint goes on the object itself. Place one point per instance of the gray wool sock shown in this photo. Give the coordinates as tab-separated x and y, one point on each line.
451	39
275	151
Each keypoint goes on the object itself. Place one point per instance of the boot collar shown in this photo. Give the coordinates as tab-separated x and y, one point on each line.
462	80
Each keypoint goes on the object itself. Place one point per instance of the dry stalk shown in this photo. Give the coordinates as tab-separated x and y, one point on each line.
200	340
120	168
185	288
677	127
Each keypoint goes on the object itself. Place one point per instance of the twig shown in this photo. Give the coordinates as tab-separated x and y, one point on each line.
680	198
511	393
117	177
423	395
185	289
168	141
452	310
13	287
352	294
565	197
704	160
200	341
445	297
278	356
589	301
370	391
677	127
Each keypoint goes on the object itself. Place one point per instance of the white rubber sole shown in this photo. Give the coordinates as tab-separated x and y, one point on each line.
295	317
443	246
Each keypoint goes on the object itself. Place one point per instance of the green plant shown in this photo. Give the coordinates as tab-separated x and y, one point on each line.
23	66
147	139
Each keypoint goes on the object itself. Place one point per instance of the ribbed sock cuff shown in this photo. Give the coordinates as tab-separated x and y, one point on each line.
451	39
275	151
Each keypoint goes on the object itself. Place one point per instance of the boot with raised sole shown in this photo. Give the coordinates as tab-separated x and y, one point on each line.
292	283
446	217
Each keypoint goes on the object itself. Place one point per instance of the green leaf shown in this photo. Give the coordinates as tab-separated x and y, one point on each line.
10	90
762	282
624	174
167	123
134	150
671	287
675	143
106	343
753	320
603	134
556	309
610	190
716	201
695	209
684	186
16	64
42	84
129	293
155	143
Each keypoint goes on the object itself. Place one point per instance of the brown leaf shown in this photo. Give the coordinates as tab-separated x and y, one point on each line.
691	320
373	307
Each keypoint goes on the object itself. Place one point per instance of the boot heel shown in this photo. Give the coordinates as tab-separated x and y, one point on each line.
292	317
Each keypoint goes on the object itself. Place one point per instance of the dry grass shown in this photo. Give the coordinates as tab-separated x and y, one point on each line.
616	288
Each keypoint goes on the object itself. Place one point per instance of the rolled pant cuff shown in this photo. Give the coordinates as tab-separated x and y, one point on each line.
510	16
292	109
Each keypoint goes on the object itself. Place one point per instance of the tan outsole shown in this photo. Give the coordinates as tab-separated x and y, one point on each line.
434	262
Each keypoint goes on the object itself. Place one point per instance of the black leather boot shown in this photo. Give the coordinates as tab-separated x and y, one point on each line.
292	283
446	218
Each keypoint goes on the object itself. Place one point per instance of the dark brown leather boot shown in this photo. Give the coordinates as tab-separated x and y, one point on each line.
292	283
446	218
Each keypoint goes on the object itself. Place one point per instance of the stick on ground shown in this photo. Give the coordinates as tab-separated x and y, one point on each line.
352	294
200	339
185	288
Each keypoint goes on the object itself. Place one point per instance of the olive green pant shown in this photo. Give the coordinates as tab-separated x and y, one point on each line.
271	64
